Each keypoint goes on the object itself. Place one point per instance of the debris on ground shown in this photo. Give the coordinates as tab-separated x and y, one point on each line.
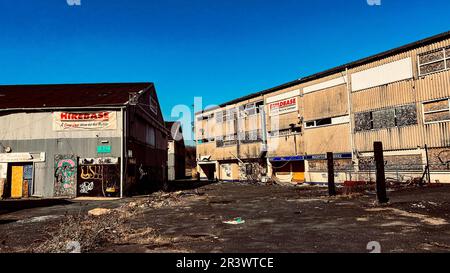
39	219
101	226
99	212
235	221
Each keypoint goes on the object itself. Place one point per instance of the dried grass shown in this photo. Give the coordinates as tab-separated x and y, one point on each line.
94	232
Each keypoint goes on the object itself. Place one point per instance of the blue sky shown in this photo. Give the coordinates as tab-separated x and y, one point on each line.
216	49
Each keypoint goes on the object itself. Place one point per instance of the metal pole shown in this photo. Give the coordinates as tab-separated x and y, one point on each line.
381	178
331	184
428	164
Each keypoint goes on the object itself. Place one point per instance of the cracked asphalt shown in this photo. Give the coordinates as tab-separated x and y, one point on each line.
277	219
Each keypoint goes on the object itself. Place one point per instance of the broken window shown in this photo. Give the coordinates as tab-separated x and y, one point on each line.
434	61
230	115
219	117
436	111
310	124
406	115
383	119
386	118
363	121
280	133
319	122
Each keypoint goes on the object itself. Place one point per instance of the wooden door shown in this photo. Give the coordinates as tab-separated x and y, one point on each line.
16	181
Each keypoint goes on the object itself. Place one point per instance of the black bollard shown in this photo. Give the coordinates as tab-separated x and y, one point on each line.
381	178
331	184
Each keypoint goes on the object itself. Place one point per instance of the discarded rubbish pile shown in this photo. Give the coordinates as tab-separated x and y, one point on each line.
101	226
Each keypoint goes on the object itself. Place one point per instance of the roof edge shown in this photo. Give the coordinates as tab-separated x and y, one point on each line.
337	69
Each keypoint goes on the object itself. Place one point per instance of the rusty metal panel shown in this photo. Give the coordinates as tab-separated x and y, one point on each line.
334	138
396	138
326	103
395	94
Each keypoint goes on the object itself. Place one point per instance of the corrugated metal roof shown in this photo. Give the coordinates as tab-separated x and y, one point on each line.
340	68
67	95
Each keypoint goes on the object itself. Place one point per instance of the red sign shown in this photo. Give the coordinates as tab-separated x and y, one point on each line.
283	106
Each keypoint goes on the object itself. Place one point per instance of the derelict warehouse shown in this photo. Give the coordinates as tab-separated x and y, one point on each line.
399	97
99	140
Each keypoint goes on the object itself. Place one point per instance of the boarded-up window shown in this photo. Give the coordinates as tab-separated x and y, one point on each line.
434	61
436	111
431	68
386	118
406	115
383	119
363	121
432	56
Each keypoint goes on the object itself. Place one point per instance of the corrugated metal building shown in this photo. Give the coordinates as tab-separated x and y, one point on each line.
76	140
399	97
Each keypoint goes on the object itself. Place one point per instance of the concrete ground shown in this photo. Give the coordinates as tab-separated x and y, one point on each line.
277	219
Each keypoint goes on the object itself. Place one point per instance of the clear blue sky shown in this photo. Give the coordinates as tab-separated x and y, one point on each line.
217	49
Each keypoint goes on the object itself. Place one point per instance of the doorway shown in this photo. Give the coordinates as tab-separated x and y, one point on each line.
20	180
209	170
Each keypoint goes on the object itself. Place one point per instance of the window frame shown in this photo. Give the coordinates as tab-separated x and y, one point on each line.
395	118
424	113
153	105
445	59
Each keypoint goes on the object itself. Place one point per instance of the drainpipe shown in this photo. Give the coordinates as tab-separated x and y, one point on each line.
122	147
352	140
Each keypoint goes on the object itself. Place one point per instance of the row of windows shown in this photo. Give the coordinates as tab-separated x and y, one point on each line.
433	111
243	111
386	118
285	132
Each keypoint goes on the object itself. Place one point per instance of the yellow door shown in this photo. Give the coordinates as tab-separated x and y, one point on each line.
16	181
298	171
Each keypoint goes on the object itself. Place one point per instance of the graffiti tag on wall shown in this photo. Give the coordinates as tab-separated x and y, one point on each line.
99	180
65	175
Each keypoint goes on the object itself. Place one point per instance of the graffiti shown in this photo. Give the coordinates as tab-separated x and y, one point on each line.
99	180
227	170
374	247
142	172
99	161
92	172
439	159
444	157
65	175
86	187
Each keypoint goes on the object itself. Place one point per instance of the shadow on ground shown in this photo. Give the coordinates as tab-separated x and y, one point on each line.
8	206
